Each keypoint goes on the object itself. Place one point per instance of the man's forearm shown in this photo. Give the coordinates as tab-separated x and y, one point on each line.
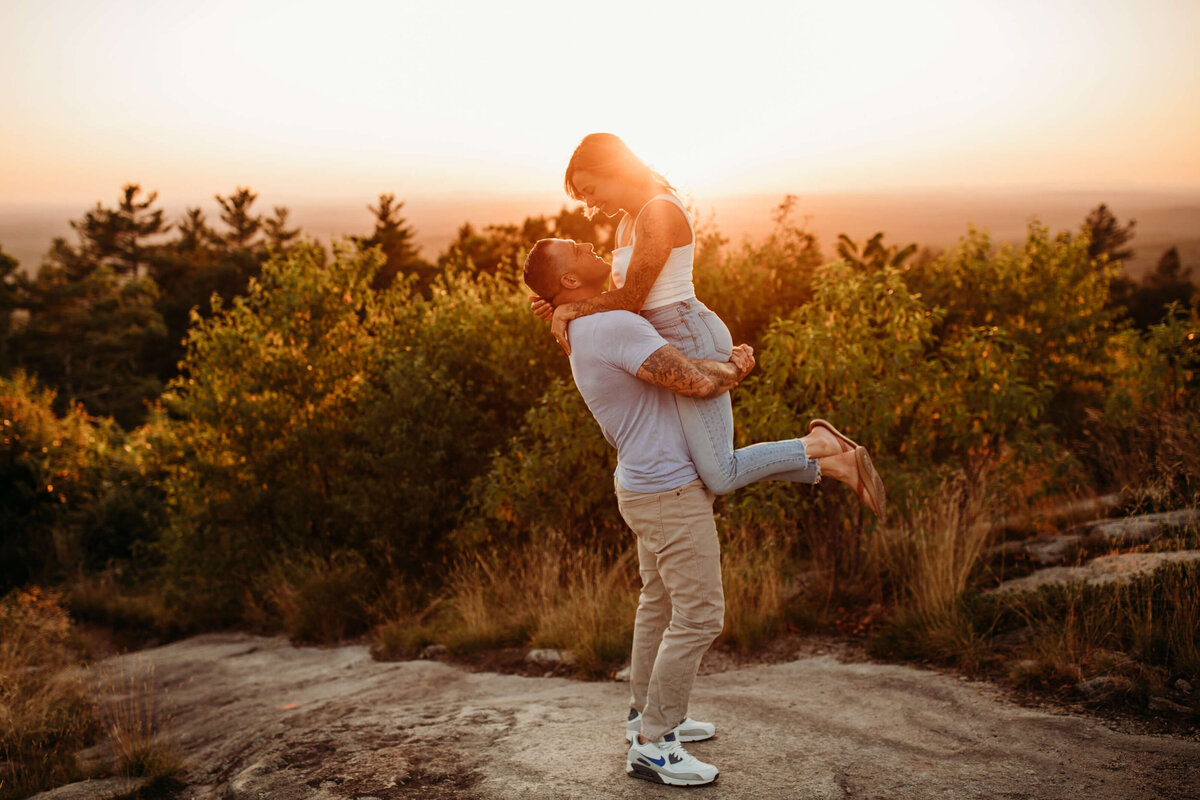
691	377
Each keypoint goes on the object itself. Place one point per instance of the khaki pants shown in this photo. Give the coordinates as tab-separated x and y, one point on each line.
682	607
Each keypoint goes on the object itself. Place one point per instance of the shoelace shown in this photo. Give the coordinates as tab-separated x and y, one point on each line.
676	747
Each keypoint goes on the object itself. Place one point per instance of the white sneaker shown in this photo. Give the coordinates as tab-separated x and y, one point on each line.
665	761
687	731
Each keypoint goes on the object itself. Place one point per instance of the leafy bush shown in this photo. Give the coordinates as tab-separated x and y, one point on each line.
317	416
864	354
554	477
75	491
1048	296
757	283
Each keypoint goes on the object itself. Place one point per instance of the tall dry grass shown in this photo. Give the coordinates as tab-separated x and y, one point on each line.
547	595
1145	631
50	708
1154	459
131	718
581	600
45	713
928	560
754	576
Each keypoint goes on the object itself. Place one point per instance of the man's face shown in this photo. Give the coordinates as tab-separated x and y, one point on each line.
579	258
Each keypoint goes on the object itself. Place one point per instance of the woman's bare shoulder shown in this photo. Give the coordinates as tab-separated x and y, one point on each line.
664	218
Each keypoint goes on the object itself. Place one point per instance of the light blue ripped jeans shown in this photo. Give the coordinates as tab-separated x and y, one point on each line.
708	424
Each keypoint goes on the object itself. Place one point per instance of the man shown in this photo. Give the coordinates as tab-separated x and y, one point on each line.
626	373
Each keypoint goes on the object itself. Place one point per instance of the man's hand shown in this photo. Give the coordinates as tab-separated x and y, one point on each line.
742	358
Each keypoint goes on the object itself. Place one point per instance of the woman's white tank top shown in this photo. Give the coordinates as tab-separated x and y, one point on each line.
675	281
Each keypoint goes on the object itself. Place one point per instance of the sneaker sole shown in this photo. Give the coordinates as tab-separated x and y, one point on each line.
682	738
645	773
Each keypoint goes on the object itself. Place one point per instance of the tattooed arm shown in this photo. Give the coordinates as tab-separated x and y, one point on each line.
657	228
696	377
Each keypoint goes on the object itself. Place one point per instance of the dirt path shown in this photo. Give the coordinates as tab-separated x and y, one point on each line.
258	718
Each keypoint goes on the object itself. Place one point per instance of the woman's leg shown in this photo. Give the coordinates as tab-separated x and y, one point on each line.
708	424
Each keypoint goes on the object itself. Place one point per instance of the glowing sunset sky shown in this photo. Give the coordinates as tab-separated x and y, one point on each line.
346	99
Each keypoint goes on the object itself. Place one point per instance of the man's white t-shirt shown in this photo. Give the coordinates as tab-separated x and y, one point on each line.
637	418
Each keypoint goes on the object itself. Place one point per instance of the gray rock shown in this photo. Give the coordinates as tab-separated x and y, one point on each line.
434	651
1102	570
429	729
1105	684
550	656
101	789
1183	686
1053	550
1088	507
1015	637
622	673
1139	529
1163	704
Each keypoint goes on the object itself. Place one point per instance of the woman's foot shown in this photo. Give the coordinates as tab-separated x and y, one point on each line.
845	443
821	443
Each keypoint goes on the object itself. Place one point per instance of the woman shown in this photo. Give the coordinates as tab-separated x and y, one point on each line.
652	275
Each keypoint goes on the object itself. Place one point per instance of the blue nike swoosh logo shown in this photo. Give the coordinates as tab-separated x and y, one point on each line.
656	761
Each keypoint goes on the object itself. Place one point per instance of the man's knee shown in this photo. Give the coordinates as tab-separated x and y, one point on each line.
701	623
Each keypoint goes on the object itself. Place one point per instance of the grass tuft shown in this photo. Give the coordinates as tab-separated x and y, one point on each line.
929	559
45	714
756	589
130	719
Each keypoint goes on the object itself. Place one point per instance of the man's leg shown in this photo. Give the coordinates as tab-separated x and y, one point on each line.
689	564
653	614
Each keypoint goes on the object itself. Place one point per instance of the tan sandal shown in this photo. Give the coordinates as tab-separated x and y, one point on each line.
845	442
870	485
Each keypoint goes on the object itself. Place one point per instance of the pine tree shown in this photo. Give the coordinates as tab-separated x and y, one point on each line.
1108	237
1168	283
117	236
194	233
395	238
235	212
279	236
87	331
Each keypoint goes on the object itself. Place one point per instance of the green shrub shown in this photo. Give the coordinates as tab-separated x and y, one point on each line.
864	354
316	415
758	282
555	475
1047	296
76	493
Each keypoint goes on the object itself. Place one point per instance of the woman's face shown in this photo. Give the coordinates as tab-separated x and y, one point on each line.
599	191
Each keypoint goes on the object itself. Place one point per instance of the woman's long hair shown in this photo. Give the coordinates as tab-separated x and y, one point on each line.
605	154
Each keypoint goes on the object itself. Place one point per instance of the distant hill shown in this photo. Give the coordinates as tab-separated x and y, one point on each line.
929	219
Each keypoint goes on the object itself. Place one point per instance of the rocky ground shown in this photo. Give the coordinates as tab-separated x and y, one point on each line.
256	717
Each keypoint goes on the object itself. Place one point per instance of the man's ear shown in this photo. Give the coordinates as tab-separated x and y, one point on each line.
570	281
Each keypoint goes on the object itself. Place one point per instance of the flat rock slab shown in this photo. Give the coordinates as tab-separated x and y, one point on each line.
1105	569
100	789
259	718
1055	548
1084	508
1142	528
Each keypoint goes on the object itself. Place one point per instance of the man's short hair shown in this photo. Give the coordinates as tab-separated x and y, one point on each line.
541	271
